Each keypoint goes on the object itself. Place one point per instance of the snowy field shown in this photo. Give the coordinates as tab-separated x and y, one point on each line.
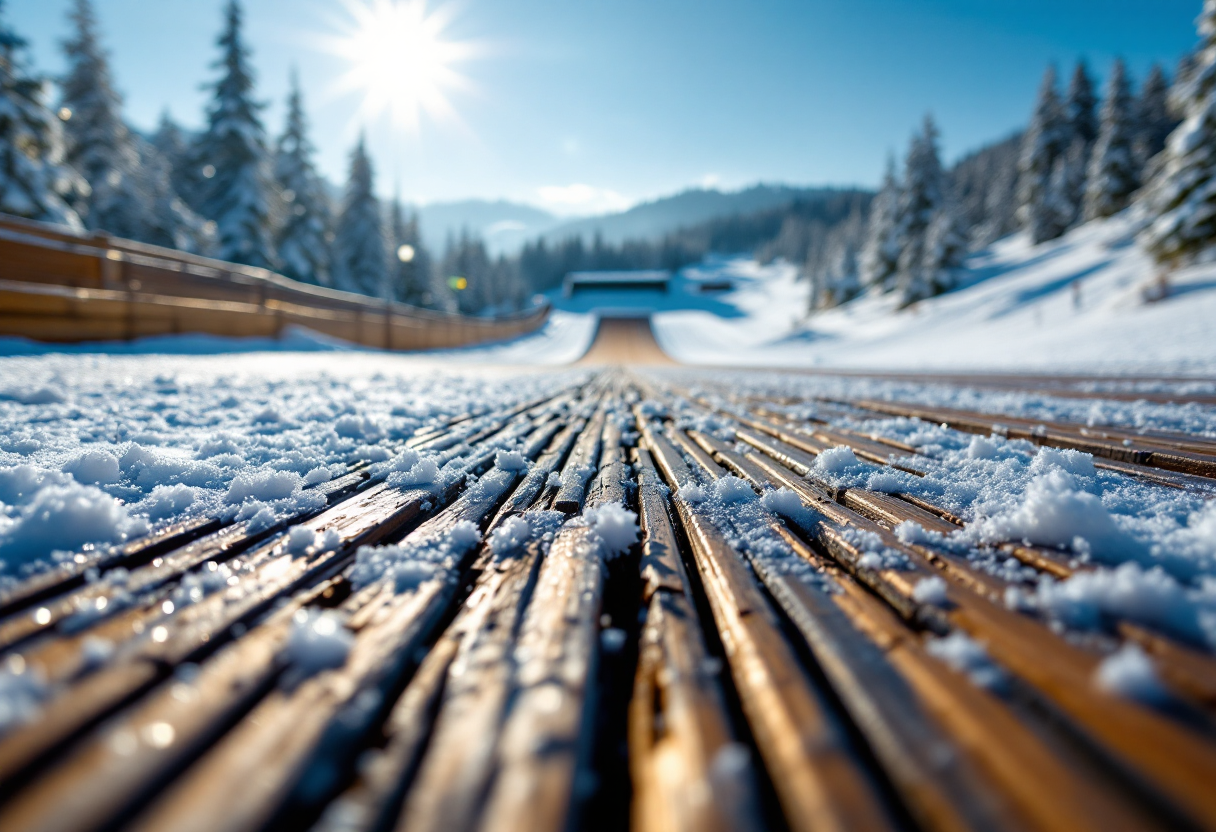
1018	310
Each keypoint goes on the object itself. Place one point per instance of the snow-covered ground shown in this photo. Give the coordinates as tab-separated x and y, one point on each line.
95	449
1074	304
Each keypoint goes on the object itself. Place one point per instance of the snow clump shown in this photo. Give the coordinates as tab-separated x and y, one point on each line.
94	467
22	691
614	527
263	485
930	591
1128	672
513	533
66	517
510	461
1054	512
409	564
968	656
732	489
692	493
318	641
787	503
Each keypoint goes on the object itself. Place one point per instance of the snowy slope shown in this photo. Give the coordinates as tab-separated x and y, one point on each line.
1018	310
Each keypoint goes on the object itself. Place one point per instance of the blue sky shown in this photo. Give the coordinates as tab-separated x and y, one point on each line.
632	99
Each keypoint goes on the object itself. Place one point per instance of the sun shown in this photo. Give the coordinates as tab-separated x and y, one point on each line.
400	60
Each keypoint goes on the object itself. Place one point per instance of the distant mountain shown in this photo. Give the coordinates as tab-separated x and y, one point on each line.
504	226
651	220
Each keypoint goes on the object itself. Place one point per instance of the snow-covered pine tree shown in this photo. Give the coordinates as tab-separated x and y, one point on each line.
920	202
302	240
99	144
168	221
466	259
1080	107
410	277
879	258
1041	145
1183	197
1113	170
1062	205
1154	121
945	247
173	146
360	262
35	180
237	188
836	279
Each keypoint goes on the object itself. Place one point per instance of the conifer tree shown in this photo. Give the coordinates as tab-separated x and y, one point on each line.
1041	145
99	145
920	201
302	241
35	180
237	188
411	267
1080	107
1154	121
1062	206
173	146
945	246
360	260
1113	168
879	257
1183	198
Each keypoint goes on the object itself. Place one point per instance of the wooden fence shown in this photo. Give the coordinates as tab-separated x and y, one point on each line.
59	286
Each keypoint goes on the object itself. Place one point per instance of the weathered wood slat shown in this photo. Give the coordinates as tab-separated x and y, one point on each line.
676	765
817	779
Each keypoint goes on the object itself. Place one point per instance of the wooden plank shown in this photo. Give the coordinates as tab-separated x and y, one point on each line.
817	780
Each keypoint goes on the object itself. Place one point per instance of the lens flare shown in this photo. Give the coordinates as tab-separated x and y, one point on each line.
400	60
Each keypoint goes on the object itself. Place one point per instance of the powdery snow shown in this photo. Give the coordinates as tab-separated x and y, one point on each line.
1073	304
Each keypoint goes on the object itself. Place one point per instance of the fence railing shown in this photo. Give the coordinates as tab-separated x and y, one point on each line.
56	285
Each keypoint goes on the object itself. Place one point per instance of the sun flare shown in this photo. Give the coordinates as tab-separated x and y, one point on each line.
400	60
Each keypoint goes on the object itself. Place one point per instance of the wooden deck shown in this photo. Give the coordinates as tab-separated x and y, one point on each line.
700	681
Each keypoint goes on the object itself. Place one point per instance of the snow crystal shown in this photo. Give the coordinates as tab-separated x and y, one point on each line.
510	535
319	641
1128	672
263	485
554	480
614	527
930	591
968	656
94	467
